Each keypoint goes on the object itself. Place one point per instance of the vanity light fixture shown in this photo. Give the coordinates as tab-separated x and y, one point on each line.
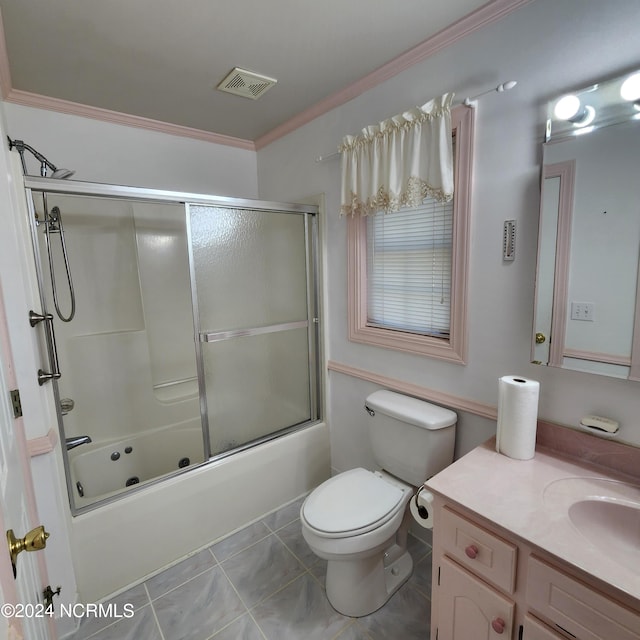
584	130
602	104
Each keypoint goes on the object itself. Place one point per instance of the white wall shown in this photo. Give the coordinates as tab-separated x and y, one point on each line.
116	154
547	46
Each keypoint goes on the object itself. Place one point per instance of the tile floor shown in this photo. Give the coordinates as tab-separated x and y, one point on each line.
260	583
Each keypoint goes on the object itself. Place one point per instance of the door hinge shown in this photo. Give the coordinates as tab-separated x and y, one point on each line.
16	403
48	594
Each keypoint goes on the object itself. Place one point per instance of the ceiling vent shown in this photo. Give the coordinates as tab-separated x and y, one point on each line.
246	84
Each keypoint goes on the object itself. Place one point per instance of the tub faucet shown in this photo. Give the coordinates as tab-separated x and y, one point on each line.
76	441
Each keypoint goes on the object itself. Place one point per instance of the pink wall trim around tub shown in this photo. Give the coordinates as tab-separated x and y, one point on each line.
43	444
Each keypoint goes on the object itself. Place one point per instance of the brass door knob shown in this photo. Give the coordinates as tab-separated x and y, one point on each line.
540	338
35	540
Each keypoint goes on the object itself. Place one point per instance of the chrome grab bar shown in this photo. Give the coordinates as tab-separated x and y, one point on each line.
217	336
45	376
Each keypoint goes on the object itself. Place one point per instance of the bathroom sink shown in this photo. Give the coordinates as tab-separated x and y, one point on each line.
604	512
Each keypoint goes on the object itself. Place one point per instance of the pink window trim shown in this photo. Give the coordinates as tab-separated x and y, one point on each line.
455	347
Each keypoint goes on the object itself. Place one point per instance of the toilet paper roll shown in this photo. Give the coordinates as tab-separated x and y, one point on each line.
421	507
517	417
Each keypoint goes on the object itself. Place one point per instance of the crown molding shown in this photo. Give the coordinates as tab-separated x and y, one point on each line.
485	15
38	101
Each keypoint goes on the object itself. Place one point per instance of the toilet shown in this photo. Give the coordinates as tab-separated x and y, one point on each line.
358	520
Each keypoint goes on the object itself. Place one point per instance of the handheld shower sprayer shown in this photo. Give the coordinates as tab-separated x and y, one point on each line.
22	146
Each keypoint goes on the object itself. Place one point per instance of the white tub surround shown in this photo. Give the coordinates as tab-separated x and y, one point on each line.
188	512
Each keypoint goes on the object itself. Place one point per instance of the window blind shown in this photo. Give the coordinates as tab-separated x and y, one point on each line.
409	256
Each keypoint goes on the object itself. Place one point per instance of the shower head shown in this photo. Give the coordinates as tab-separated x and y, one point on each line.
62	174
22	146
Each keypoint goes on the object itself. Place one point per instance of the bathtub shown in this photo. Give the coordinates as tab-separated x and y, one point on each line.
103	469
133	537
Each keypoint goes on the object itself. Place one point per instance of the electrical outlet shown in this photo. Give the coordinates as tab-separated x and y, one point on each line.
582	311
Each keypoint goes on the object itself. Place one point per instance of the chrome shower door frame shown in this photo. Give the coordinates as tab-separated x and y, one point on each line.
34	185
310	213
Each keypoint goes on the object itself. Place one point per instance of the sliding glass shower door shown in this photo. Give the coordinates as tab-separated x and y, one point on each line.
255	317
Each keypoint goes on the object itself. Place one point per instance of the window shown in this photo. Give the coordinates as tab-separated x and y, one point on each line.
408	269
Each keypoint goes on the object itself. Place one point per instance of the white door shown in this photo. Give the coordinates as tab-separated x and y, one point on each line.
22	612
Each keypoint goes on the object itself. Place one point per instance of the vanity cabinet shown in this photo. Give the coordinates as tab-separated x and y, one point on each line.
488	584
470	608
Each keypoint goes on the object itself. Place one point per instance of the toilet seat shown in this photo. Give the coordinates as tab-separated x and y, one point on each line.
353	503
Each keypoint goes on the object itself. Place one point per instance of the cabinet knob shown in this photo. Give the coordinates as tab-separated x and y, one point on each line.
471	551
498	625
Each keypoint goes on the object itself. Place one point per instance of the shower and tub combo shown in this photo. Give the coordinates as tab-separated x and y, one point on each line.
172	319
179	338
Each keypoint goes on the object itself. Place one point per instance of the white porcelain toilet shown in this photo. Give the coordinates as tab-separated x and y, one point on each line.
359	519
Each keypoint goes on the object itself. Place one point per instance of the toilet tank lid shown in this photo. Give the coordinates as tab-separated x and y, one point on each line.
412	410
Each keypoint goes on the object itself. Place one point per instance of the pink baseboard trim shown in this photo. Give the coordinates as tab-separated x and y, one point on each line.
37	101
418	391
485	15
43	444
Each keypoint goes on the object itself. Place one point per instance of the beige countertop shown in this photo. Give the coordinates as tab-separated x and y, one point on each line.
531	498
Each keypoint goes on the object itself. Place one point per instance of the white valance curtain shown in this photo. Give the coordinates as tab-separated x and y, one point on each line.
400	161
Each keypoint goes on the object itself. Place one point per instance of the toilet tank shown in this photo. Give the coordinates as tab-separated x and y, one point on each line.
411	439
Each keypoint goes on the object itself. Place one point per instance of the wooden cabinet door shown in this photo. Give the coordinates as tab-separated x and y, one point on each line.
470	608
576	607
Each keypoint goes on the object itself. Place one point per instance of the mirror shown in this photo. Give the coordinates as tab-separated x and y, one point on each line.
587	306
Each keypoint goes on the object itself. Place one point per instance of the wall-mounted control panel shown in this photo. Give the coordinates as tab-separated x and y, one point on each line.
582	311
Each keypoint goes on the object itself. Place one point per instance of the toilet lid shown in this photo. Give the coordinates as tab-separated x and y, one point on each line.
350	501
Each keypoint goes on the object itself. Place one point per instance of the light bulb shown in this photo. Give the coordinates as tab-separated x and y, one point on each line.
630	89
567	107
